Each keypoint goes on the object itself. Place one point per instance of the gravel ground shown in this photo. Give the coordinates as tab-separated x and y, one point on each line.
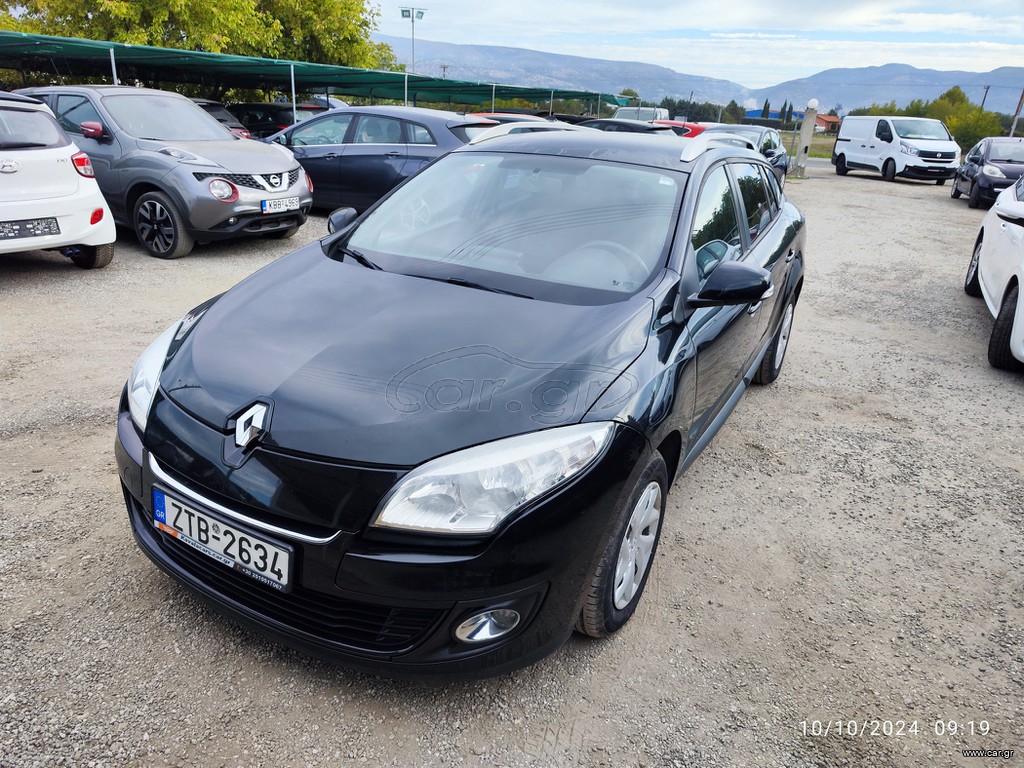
849	548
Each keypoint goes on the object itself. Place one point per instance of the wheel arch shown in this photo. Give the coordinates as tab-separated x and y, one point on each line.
671	449
139	188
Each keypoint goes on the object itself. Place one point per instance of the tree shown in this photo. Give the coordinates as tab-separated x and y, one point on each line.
307	30
766	110
733	112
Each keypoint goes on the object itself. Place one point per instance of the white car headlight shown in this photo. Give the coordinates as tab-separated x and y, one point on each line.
145	376
474	490
907	149
991	170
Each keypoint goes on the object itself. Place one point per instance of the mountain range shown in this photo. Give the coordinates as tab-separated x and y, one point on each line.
840	89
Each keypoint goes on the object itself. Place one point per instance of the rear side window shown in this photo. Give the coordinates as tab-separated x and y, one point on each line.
466	133
374	129
756	200
29	129
72	111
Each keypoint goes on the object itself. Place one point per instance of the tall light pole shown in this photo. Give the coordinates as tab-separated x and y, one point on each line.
413	15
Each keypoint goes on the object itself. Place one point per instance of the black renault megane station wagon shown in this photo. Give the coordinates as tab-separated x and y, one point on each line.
439	440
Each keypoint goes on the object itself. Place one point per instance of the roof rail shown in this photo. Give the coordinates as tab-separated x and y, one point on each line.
702	142
505	129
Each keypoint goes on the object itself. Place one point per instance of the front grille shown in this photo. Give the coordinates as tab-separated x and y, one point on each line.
366	626
253	181
933	155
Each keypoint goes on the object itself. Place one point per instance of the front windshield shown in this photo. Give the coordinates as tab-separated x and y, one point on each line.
164	117
1006	152
921	129
550	227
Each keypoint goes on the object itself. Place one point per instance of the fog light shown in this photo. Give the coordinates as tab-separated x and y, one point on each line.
487	626
97	216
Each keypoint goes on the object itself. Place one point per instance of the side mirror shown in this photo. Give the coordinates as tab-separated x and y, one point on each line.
340	218
732	283
92	130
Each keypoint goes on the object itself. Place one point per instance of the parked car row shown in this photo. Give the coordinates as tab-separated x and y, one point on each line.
173	173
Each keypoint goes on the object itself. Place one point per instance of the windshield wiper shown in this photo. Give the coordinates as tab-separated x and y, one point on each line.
358	257
22	144
470	284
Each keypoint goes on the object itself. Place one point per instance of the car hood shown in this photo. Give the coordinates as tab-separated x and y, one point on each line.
232	155
384	368
1010	170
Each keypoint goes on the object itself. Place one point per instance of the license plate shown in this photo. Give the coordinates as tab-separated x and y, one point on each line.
281	204
30	228
254	556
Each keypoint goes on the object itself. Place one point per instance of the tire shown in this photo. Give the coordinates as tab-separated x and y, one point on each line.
160	228
92	256
889	170
939	182
775	355
974	198
841	168
999	355
618	583
972	285
954	190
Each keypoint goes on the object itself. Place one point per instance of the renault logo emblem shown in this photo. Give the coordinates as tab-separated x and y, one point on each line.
250	425
7	165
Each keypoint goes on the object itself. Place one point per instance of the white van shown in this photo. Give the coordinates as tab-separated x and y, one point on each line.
641	113
912	147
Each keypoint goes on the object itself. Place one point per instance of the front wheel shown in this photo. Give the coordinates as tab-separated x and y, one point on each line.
972	284
999	355
160	228
939	182
889	170
974	198
841	169
618	582
774	356
954	190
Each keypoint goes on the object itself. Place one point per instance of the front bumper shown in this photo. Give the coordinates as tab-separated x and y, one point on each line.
928	172
389	603
211	219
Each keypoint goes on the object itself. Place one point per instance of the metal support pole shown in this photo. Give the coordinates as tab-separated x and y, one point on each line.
494	89
295	112
407	89
113	67
806	132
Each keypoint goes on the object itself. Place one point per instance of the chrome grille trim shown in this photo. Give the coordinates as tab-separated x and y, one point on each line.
189	494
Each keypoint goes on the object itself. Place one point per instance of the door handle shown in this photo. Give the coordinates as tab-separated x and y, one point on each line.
791	256
392	154
330	155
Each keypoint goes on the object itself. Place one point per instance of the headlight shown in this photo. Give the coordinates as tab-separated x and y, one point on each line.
223	190
991	170
907	149
474	490
145	376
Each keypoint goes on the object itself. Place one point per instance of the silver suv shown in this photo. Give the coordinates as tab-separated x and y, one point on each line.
173	173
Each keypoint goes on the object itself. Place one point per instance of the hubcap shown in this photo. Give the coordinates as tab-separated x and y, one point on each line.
973	268
784	329
637	545
155	227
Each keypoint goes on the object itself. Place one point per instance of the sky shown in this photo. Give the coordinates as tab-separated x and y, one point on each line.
751	42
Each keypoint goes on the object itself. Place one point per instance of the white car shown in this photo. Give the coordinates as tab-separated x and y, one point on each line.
996	272
49	199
